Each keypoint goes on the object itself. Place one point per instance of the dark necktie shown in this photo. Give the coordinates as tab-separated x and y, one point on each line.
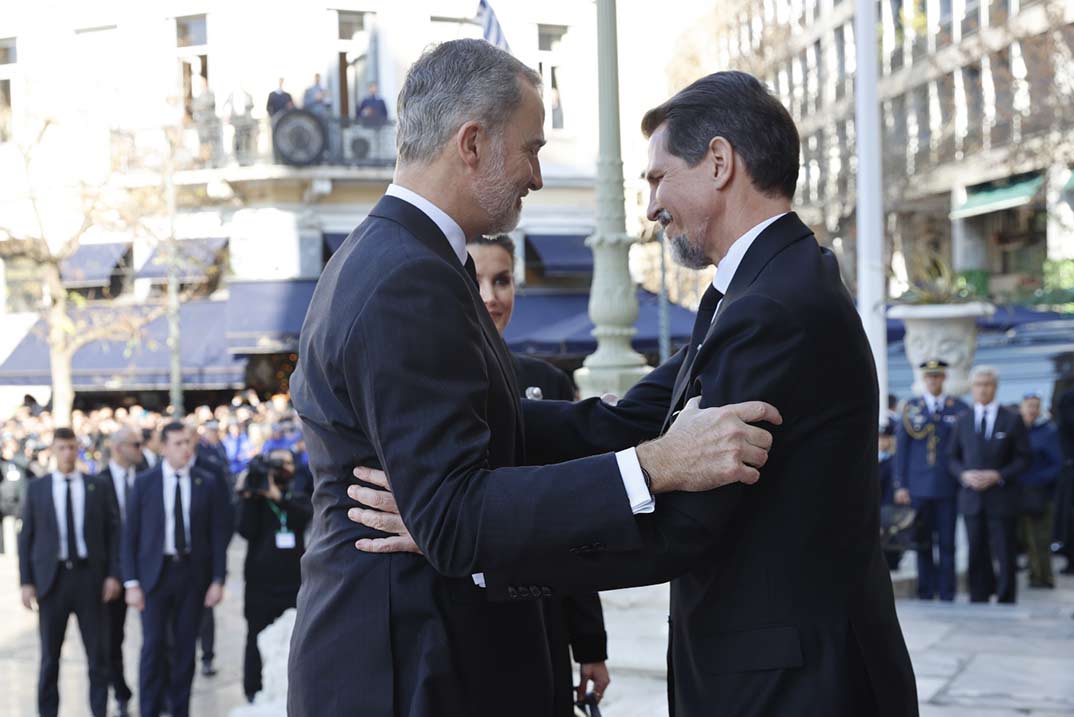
984	425
705	313
72	542
471	270
180	525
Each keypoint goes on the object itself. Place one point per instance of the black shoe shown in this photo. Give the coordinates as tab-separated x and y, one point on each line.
208	670
121	709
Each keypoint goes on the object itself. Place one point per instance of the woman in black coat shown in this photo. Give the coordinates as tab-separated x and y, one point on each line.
575	623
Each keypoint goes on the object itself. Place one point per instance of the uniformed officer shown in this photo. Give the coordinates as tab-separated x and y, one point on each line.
922	478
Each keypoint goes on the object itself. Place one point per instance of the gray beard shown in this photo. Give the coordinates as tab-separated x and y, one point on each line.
687	254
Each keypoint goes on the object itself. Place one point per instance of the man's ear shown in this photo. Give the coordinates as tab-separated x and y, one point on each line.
466	143
721	159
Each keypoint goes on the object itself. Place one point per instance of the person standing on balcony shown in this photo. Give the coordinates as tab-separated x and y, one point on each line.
279	100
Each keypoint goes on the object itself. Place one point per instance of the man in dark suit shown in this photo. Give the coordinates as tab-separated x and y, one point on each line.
401	368
989	452
125	454
69	563
174	565
781	602
279	100
922	477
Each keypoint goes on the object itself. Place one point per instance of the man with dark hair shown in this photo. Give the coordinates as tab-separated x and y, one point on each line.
401	367
174	565
69	564
125	447
781	603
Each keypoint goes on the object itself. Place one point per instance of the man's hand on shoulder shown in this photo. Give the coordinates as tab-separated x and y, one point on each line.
708	448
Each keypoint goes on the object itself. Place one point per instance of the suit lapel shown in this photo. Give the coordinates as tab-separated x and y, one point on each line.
50	511
427	232
776	237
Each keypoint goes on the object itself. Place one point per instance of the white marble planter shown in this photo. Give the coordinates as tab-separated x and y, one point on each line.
942	331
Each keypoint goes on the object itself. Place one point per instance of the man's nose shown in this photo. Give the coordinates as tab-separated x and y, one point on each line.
536	180
652	212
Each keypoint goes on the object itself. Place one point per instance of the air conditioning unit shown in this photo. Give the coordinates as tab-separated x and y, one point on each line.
359	143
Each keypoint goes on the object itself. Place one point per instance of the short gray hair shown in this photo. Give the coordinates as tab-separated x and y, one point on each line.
988	372
451	84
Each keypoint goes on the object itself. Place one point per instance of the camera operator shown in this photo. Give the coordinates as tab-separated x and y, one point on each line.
272	518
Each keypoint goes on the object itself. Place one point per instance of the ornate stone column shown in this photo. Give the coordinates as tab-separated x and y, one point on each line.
613	304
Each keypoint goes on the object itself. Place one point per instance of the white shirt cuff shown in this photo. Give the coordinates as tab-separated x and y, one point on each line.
131	584
641	500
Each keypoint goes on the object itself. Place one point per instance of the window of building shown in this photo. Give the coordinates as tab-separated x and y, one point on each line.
971	18
24	285
355	68
813	77
973	93
191	41
191	31
839	42
550	64
350	24
8	57
1045	105
924	126
895	36
945	98
8	53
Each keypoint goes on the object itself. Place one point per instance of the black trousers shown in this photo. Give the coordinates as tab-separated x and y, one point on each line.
174	605
262	606
207	636
116	614
992	539
76	590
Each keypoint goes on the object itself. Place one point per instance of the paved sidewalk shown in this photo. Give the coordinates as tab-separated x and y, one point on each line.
971	661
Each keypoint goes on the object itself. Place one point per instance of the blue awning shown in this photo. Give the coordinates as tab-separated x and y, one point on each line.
333	241
196	258
556	324
142	364
92	264
560	254
265	317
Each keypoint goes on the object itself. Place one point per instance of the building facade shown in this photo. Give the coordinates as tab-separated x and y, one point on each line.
977	118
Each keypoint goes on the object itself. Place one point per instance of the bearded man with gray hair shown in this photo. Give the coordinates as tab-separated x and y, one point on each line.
401	369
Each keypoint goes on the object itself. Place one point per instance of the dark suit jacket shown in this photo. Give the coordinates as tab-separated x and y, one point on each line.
400	367
575	623
781	602
39	539
143	533
1006	451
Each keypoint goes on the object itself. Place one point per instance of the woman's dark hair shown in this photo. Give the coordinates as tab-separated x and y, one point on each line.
735	106
501	240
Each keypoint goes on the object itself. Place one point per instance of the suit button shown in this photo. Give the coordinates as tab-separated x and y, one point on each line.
546	591
512	593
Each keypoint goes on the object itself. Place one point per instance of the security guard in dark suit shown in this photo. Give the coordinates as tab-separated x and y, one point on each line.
922	478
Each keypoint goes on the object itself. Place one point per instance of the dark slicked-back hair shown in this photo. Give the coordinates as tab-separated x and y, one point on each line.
170	428
737	107
501	240
63	433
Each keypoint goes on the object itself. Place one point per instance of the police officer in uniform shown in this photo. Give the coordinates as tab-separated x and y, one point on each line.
922	478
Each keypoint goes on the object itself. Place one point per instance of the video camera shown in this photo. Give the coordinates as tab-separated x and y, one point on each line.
262	469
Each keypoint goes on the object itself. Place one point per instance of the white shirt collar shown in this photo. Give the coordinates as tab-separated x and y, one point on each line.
118	471
449	226
727	267
170	472
936	400
987	408
61	477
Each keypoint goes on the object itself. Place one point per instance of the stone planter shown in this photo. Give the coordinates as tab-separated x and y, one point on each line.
942	331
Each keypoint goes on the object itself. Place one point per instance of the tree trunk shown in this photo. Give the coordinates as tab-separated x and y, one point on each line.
59	345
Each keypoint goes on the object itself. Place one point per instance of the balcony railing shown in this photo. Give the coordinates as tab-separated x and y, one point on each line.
295	137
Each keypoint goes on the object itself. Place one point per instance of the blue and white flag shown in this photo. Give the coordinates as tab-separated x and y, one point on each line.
490	26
